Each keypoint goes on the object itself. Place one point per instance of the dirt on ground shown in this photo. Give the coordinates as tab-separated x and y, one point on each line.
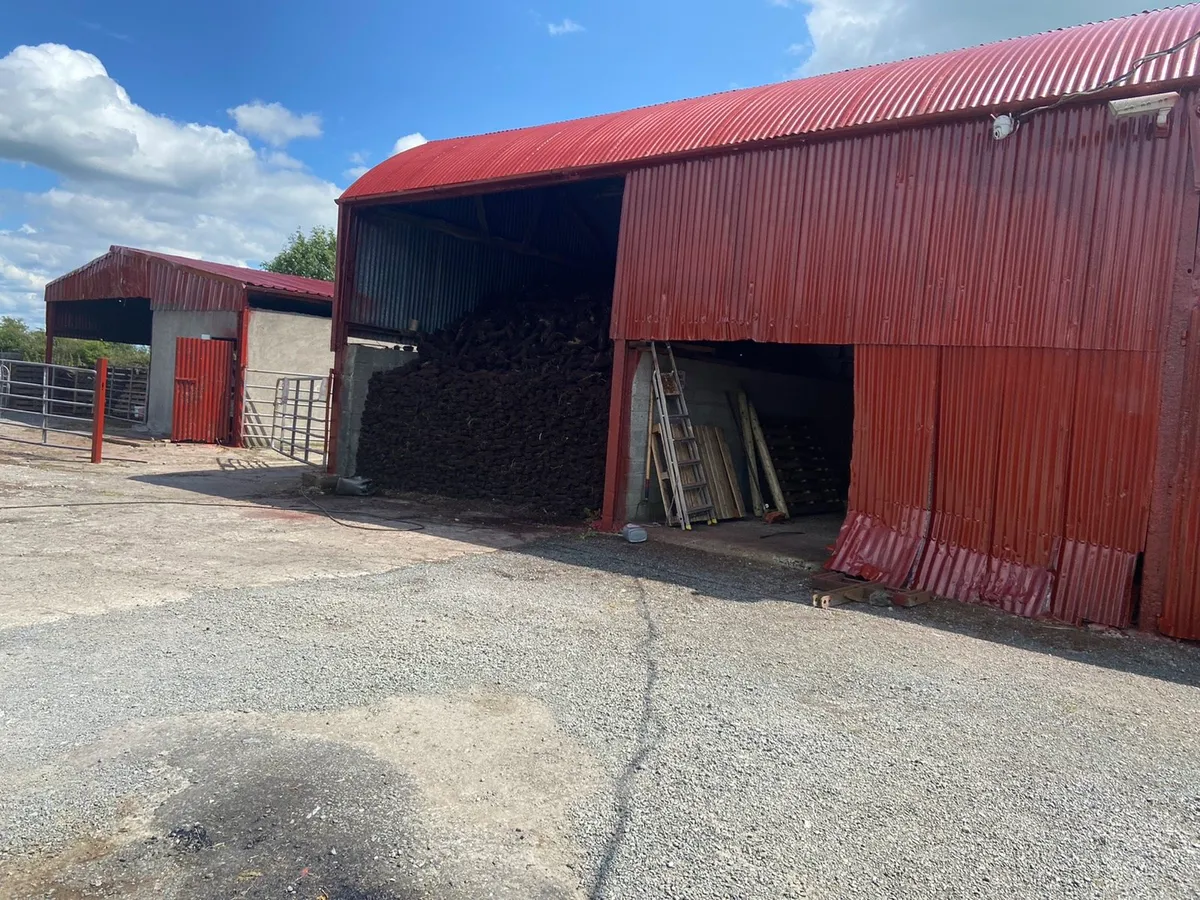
212	689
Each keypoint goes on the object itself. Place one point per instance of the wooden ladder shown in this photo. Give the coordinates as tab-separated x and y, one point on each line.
681	475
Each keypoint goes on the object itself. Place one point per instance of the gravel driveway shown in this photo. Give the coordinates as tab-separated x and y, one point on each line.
584	717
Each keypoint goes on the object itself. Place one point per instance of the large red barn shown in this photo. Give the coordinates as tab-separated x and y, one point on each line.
1019	312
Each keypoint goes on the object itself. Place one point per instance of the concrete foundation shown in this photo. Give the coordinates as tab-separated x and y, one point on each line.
167	325
362	361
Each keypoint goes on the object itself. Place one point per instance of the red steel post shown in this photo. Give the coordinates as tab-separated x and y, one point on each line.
617	462
50	308
99	393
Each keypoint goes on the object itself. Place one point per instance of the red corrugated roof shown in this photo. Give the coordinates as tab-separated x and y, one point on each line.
177	282
254	278
1008	74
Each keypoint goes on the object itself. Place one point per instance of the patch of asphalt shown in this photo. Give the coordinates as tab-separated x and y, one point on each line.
721	738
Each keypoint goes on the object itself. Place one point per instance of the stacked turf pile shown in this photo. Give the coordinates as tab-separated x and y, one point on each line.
508	405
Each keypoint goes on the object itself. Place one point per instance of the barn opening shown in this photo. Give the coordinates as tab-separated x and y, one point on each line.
494	385
799	398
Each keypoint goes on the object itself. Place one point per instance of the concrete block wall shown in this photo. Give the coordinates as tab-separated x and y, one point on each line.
166	326
361	362
279	342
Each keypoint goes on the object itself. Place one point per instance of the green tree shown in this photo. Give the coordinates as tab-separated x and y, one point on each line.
16	337
311	256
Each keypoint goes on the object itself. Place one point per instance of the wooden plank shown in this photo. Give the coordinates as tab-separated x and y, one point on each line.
735	486
664	479
756	498
764	452
724	501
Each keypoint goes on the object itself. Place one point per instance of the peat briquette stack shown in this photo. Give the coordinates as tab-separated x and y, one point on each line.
510	405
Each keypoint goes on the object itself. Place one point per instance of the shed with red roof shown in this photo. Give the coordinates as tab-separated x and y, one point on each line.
217	335
964	282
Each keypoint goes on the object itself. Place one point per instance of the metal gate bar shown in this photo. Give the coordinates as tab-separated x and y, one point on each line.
288	412
48	399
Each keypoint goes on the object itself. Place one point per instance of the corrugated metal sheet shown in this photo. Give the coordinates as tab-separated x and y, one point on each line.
895	408
203	407
1110	479
1181	603
999	480
1009	74
1040	475
1061	236
175	282
405	273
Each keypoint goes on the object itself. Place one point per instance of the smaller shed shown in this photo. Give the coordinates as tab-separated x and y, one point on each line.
207	325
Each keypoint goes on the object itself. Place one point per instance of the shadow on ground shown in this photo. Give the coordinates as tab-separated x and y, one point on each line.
718	576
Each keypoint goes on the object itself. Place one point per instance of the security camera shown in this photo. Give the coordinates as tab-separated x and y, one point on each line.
1003	126
1159	105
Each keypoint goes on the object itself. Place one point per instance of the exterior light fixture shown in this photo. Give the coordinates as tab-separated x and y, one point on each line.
1159	105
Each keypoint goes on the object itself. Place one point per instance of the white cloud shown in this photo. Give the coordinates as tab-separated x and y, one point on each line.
274	122
566	26
127	176
408	142
282	160
850	33
355	172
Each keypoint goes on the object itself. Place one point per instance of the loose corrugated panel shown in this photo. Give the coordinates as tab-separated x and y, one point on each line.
176	282
895	401
999	478
1009	74
404	273
1181	602
1061	236
1109	482
203	391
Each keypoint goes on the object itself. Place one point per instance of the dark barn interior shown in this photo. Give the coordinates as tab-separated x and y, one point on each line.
507	298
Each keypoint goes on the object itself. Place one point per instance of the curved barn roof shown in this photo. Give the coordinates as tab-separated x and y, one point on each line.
177	282
1006	75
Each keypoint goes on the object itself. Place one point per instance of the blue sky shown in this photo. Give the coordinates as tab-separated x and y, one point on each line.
214	129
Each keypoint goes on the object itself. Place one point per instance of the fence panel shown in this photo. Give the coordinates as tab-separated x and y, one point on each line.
287	412
46	400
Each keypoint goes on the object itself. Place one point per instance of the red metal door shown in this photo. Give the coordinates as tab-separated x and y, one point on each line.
203	390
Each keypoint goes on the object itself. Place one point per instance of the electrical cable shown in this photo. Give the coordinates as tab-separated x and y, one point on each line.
1111	83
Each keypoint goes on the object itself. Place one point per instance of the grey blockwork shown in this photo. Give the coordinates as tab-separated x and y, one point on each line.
362	361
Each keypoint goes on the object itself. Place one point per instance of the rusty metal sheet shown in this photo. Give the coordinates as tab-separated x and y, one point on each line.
895	400
1181	602
1110	480
176	282
1061	236
1036	466
203	402
1002	438
1007	75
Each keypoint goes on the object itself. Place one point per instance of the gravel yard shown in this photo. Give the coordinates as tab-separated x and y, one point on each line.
524	714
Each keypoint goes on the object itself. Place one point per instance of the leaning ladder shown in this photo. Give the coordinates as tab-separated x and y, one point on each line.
681	475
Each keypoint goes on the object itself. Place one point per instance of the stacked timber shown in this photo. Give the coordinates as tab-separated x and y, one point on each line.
809	481
508	405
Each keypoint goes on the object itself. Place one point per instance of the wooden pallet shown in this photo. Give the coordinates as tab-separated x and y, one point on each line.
830	589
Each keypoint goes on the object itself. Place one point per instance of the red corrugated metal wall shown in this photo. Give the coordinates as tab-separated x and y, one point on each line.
123	272
1038	463
1181	604
1060	236
203	390
895	400
1008	302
